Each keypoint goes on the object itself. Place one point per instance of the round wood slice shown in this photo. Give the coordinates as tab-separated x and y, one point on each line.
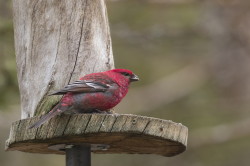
107	133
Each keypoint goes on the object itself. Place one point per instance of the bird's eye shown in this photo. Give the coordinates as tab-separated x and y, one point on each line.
125	74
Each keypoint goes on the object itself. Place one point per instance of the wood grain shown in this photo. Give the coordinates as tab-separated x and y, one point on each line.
121	132
57	42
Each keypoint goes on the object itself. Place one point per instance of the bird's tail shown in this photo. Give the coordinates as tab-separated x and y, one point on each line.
55	111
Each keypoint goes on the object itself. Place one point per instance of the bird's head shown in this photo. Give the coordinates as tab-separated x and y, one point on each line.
127	74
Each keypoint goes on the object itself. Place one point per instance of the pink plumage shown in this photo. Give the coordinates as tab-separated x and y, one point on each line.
96	92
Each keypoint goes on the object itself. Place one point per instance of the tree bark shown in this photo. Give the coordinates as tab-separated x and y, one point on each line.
56	42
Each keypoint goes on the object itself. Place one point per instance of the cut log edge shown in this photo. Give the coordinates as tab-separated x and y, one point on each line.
123	133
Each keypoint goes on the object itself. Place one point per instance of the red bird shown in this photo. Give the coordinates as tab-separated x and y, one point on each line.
96	92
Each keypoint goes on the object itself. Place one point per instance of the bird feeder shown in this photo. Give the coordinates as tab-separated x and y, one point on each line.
56	42
99	133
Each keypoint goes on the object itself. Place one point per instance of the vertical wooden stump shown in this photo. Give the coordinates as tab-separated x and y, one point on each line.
56	42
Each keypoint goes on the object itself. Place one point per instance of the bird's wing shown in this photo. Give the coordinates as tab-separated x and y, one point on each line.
84	86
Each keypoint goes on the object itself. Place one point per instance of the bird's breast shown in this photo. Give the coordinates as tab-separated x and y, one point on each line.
99	100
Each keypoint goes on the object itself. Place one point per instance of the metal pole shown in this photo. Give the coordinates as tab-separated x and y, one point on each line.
78	155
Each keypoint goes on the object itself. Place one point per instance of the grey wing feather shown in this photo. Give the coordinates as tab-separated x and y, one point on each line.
83	86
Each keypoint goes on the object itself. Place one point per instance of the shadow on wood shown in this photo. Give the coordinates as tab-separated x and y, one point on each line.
118	133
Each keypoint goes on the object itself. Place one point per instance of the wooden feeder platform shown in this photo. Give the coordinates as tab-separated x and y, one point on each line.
105	133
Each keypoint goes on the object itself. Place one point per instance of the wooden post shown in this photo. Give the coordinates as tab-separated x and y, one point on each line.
57	42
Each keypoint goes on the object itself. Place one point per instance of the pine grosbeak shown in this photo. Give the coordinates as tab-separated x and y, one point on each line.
96	92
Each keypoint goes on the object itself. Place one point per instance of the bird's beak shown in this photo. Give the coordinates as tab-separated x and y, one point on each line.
134	78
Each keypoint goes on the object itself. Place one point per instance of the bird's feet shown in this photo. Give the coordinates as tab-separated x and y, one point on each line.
103	112
97	111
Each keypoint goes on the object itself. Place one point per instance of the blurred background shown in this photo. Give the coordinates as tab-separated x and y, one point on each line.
193	60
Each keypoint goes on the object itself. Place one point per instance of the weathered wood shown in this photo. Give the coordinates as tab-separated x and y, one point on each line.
121	133
56	42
